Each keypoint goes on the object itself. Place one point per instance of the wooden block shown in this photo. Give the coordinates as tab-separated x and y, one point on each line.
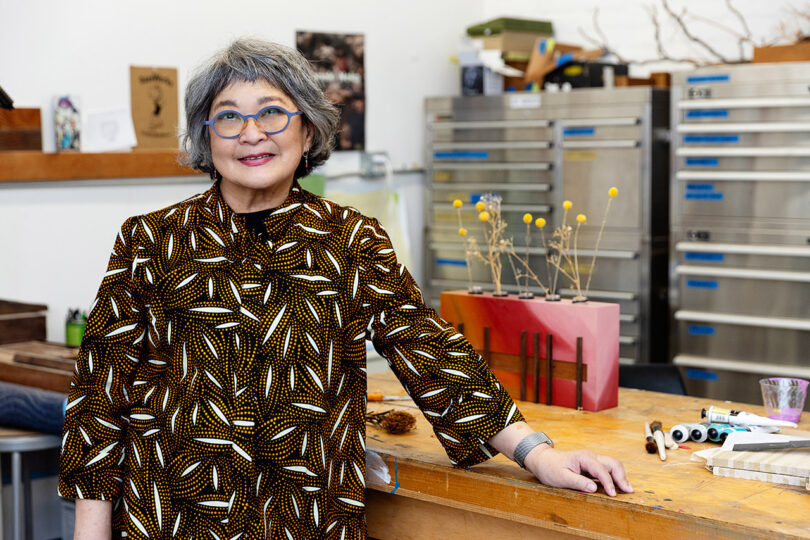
21	322
48	366
20	129
506	317
798	52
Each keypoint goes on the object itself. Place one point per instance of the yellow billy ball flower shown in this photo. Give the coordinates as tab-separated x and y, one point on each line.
483	216
540	222
457	203
567	205
613	192
479	206
581	218
462	232
527	218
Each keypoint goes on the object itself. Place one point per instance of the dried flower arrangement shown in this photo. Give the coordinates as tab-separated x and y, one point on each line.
561	249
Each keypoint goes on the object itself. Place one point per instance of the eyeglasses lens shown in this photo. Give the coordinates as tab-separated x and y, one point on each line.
228	124
270	120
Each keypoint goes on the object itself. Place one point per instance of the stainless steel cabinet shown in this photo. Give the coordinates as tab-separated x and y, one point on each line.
740	239
537	150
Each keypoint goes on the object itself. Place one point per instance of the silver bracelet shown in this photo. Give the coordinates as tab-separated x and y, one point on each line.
528	443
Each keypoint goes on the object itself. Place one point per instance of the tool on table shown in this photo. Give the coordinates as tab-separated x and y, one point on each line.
740	418
658	435
650	445
669	442
381	397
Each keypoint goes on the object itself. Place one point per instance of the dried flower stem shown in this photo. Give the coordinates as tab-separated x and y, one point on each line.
596	247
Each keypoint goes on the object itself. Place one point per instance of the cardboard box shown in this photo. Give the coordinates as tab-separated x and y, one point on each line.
512	41
798	52
510	24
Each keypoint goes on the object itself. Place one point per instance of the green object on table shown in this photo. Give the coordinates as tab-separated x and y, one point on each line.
74	332
314	183
503	24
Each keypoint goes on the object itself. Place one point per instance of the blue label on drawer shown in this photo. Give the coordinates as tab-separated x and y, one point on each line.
707	113
578	132
700	187
701	374
706	196
701	162
701	330
697	256
711	139
720	77
451	262
461	155
701	283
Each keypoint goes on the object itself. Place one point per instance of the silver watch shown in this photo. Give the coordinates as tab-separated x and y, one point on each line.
528	443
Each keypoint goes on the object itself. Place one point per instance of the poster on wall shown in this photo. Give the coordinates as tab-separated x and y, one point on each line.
153	93
338	63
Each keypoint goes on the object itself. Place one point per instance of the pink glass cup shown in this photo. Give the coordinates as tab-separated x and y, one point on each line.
784	397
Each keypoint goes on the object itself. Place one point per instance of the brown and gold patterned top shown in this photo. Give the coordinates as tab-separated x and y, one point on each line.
220	389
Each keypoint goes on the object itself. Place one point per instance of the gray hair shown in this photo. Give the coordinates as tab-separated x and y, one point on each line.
251	60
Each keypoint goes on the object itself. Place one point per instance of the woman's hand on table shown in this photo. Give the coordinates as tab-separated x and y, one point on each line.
577	469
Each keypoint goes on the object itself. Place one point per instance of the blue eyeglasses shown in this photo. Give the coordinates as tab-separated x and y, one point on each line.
271	120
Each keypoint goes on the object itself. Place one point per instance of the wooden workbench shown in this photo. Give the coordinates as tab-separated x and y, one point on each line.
677	498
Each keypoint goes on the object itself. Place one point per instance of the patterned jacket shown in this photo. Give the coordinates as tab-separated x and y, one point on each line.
220	389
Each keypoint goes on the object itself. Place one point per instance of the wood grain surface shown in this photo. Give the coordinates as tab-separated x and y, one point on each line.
24	166
672	499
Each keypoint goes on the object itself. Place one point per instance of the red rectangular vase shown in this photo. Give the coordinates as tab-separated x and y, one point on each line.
508	317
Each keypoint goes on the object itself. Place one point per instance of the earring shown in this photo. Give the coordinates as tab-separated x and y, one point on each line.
306	159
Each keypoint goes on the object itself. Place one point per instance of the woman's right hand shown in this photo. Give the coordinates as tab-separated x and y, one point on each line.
93	520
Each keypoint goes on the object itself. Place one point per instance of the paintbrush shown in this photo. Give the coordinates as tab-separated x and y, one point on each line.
650	445
658	435
381	397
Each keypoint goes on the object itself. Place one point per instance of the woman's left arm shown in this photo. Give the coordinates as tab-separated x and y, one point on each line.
566	469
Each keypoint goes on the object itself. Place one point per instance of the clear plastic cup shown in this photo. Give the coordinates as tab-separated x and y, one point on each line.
784	397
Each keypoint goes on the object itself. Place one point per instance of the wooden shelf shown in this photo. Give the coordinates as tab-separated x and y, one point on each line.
30	166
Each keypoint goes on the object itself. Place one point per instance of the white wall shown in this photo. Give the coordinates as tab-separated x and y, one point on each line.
55	237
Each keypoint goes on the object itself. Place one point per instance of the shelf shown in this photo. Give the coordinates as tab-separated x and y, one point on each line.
32	166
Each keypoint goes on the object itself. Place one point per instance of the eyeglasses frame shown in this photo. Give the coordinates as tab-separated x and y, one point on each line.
246	117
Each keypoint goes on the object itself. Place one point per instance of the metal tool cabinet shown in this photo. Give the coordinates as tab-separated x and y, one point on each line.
740	238
537	150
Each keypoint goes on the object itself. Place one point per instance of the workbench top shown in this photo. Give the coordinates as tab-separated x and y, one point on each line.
671	499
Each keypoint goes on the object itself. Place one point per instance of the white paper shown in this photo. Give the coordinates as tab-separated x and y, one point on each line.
108	131
376	468
492	59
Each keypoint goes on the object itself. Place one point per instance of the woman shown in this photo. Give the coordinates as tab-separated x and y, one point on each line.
220	387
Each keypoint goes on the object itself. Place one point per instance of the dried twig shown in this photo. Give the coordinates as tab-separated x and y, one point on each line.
682	24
